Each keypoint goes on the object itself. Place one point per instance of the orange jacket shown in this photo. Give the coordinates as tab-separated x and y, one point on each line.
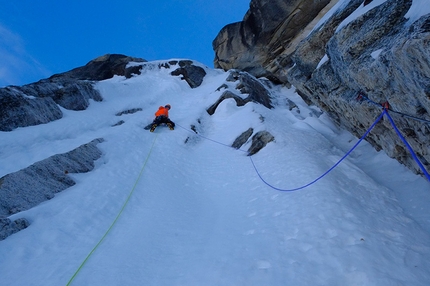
162	111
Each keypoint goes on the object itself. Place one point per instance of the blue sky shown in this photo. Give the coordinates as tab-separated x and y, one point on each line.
42	38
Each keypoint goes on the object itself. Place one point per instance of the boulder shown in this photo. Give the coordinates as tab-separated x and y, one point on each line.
191	73
240	140
259	141
247	85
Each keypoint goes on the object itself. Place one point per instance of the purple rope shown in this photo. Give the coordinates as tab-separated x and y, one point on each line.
385	111
329	170
408	146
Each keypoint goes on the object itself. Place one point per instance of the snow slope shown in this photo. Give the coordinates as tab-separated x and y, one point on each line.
176	208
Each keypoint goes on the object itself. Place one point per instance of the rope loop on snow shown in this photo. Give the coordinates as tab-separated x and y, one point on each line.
385	106
311	183
329	170
117	217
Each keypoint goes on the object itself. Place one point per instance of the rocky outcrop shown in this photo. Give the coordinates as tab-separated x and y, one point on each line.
105	67
38	103
247	85
9	227
19	110
242	139
267	30
259	140
41	181
376	54
251	90
191	73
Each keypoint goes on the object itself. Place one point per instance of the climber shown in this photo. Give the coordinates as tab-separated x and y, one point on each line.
162	116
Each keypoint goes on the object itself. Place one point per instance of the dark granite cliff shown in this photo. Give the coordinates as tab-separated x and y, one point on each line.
339	63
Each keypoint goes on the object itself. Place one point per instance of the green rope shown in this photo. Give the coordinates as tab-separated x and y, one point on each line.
116	219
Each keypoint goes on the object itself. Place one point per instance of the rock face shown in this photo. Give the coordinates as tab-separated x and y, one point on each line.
19	110
266	31
259	140
248	85
8	227
376	57
192	74
39	182
39	102
105	67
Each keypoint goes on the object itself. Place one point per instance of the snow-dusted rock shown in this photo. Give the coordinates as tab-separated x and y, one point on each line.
191	73
19	110
240	140
39	182
339	50
9	227
36	103
105	67
399	75
265	32
259	141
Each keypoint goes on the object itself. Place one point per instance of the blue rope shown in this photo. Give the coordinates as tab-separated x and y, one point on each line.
361	95
314	181
329	170
408	146
385	111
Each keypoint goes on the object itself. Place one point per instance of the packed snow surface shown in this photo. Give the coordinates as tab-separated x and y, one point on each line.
180	208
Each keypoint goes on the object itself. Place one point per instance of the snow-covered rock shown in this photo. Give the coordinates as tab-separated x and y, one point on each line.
329	56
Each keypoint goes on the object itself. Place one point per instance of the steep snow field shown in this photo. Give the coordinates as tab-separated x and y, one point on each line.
176	208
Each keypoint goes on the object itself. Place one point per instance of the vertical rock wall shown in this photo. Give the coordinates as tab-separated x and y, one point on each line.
378	55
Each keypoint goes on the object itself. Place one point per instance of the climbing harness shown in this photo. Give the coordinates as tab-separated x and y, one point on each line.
117	217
